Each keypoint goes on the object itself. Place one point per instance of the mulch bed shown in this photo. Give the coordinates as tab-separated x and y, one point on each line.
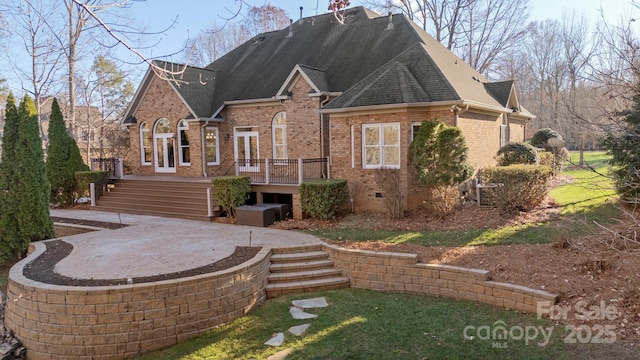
99	224
42	268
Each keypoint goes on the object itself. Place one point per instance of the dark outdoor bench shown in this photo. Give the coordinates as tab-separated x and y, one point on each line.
255	215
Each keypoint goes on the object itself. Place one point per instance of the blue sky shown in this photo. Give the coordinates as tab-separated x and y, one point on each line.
193	16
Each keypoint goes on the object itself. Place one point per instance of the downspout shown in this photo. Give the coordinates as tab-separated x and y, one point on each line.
322	103
203	148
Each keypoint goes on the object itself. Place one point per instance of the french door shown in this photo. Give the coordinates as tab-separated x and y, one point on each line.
164	153
246	151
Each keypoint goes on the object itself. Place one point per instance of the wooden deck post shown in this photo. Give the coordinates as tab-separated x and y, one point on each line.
300	171
209	202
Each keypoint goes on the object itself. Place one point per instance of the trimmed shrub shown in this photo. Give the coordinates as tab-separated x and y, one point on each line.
520	187
85	178
63	160
322	198
517	153
541	137
231	192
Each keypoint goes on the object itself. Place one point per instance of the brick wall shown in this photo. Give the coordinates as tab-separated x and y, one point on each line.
363	181
303	123
64	322
161	101
401	273
482	134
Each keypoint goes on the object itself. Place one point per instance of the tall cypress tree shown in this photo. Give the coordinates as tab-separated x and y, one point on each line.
34	221
63	159
10	244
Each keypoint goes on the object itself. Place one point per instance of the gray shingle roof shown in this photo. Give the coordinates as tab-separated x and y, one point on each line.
501	91
363	60
317	76
195	85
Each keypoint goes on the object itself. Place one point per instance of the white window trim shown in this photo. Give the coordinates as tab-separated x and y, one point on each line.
142	147
380	146
217	145
180	147
284	136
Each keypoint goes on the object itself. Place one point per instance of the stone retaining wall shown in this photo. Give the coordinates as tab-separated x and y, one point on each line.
65	322
402	273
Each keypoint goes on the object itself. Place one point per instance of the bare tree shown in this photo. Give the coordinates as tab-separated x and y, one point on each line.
214	42
34	27
480	31
218	40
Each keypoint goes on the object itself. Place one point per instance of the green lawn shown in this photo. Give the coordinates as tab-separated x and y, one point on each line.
590	197
365	324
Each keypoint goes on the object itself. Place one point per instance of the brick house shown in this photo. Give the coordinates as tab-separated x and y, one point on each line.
296	104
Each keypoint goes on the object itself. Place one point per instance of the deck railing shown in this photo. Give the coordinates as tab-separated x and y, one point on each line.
283	171
113	166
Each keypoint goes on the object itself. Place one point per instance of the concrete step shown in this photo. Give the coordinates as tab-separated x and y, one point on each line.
296	249
140	211
279	289
300	266
303	275
299	257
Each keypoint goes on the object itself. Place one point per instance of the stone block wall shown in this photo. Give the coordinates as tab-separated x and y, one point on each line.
66	322
395	272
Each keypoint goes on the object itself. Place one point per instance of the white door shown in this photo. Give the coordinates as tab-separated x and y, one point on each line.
246	151
164	153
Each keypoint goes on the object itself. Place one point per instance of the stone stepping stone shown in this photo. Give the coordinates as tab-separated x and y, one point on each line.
280	355
298	314
276	340
299	330
311	303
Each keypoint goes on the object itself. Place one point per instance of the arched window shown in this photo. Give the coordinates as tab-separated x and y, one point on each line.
146	140
183	143
279	136
163	126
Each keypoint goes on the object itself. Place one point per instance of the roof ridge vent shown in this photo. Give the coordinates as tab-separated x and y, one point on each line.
390	26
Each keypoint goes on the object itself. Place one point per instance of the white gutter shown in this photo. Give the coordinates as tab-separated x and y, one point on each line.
472	104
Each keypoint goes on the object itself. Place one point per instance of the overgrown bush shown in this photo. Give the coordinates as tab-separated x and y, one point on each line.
541	137
520	187
438	155
444	199
85	178
231	192
546	159
389	182
323	198
517	153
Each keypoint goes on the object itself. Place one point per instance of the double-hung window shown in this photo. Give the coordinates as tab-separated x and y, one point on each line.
183	143
212	148
381	146
145	144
